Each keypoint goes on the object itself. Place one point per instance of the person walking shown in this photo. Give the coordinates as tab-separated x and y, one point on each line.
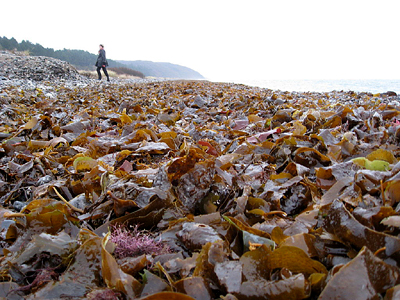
102	63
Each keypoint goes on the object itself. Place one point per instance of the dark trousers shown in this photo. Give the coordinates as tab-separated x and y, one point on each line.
104	70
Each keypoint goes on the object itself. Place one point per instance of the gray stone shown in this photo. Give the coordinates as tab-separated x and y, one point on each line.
198	102
80	201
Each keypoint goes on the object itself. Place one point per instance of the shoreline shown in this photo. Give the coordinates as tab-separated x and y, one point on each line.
373	86
85	82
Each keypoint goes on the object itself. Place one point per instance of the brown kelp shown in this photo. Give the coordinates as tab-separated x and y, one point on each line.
198	190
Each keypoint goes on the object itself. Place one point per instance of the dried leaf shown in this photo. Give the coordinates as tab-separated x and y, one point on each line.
294	259
167	296
375	165
84	163
340	222
366	271
31	124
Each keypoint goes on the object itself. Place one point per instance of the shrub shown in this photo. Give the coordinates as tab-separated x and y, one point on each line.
127	71
93	74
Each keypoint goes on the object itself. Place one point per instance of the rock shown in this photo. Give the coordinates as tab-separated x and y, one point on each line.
391	94
80	201
198	102
19	205
44	180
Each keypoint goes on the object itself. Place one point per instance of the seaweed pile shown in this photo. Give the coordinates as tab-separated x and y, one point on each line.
198	190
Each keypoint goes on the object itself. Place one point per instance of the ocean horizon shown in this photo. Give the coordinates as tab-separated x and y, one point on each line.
373	86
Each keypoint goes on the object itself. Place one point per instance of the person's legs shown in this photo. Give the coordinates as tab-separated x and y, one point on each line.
106	73
98	72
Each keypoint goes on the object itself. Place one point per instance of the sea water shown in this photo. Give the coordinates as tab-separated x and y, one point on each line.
366	85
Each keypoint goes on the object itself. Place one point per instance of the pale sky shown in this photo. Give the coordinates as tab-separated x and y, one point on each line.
223	40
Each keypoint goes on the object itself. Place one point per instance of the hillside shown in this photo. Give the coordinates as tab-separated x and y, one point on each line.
162	69
85	60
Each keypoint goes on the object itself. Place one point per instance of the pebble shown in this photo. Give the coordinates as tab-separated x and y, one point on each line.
44	180
80	201
19	205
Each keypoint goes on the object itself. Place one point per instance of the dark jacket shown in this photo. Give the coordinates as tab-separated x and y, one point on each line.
101	59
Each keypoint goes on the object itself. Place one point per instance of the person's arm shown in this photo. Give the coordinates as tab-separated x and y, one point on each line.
103	57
